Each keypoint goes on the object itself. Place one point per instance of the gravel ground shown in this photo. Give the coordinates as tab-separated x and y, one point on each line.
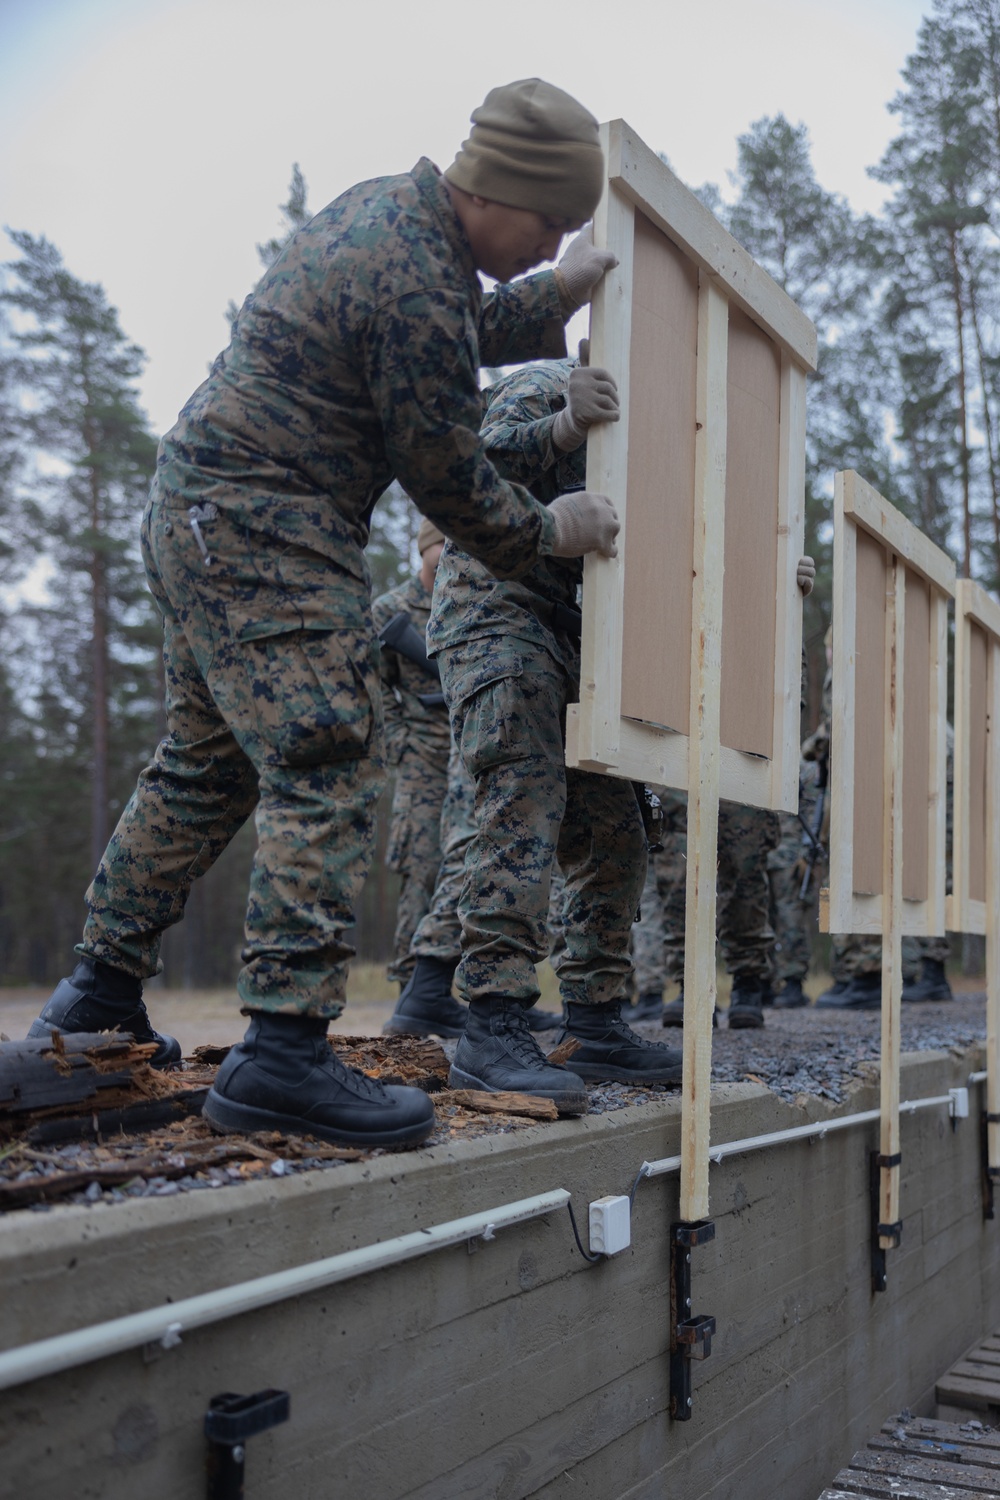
801	1052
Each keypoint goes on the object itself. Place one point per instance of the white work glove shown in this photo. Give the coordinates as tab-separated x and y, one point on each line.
585	522
805	575
592	397
582	267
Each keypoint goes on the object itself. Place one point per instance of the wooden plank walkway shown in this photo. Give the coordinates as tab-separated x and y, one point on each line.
918	1459
973	1382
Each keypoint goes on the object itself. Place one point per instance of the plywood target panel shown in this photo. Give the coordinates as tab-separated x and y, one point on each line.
891	596
711	358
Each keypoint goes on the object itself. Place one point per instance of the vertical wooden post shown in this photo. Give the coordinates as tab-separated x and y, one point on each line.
703	749
599	723
892	898
993	907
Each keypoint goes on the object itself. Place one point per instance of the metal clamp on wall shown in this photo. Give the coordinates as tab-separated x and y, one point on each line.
881	1232
229	1422
690	1337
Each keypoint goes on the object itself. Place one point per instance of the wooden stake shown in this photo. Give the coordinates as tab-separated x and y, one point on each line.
703	772
892	893
993	906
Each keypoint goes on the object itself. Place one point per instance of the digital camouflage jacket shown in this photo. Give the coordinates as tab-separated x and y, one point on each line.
517	434
409	725
355	360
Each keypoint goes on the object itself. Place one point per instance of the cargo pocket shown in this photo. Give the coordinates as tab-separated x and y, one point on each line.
312	685
488	704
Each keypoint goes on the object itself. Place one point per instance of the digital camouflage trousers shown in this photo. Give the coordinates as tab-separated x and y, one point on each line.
508	701
414	850
746	835
273	708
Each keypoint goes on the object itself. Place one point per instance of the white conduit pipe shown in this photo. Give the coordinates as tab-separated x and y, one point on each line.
164	1325
978	1077
795	1133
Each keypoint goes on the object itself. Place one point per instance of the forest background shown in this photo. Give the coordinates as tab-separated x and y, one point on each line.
907	304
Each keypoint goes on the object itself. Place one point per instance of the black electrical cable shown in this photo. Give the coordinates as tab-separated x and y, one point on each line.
576	1235
640	1177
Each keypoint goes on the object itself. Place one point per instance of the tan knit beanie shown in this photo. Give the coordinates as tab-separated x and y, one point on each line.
428	535
533	146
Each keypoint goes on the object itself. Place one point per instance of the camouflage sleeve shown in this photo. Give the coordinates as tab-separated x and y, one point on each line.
518	436
383	610
419	354
522	320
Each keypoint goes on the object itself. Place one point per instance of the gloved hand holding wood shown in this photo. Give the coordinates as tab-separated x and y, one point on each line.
805	574
582	267
592	397
585	522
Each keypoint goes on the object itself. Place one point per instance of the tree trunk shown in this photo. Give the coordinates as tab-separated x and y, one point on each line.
99	785
963	420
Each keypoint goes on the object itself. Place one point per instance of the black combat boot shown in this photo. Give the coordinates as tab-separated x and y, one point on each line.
831	996
426	1006
932	984
791	996
97	997
498	1052
610	1050
673	1012
863	992
542	1020
648	1007
285	1076
746	1008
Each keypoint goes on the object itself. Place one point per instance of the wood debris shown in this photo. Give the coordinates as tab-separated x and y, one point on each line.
500	1103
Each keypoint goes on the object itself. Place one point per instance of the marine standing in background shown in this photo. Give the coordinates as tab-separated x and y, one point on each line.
355	360
417	741
509	657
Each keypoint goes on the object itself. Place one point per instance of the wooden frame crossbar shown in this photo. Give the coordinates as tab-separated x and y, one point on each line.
888	768
974	905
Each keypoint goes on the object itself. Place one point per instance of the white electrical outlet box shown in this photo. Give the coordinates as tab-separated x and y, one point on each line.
959	1106
610	1226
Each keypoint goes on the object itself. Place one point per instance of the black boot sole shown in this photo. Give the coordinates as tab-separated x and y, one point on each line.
752	1021
567	1103
598	1073
403	1026
230	1118
167	1055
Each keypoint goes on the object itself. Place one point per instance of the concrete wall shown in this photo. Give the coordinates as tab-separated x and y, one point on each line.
518	1370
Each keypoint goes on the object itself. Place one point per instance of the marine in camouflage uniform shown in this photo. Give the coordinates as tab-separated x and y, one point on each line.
355	360
746	836
417	738
509	658
426	1006
794	920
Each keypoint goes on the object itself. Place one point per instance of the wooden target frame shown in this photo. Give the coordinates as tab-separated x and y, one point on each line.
888	769
691	640
892	589
707	470
974	905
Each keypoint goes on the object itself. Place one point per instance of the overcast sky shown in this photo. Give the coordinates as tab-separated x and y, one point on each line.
152	140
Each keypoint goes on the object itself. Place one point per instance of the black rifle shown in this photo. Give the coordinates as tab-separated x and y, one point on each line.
403	637
812	847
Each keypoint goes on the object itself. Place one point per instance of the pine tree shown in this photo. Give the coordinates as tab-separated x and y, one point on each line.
940	311
91	674
295	214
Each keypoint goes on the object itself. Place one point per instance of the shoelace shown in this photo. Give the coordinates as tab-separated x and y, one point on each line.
370	1087
523	1043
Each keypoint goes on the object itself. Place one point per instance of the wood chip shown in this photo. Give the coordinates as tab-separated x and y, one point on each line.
500	1103
564	1051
